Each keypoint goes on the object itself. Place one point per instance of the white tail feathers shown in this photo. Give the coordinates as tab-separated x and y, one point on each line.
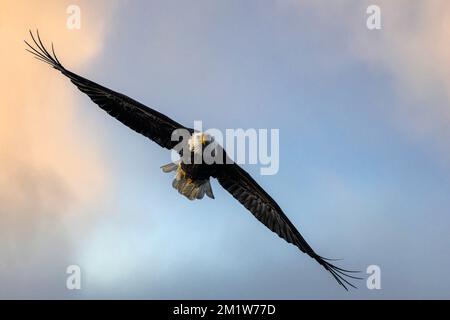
191	189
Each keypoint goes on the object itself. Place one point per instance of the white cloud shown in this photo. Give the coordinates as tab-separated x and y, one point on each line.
412	49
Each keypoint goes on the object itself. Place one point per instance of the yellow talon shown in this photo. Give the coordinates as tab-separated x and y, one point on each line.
181	171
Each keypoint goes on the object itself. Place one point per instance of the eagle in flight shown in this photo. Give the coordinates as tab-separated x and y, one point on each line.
192	178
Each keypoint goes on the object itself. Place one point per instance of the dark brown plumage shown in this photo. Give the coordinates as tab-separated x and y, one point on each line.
191	180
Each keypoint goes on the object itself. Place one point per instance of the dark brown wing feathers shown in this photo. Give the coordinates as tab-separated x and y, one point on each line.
142	119
159	128
246	190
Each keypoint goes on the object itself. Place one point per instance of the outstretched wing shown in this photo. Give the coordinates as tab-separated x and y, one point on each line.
142	119
244	188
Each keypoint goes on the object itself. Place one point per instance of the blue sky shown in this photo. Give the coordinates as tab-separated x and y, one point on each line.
363	174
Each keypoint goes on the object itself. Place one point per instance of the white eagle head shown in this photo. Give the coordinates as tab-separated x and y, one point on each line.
198	141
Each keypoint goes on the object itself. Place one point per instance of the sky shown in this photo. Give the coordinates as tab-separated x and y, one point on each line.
364	124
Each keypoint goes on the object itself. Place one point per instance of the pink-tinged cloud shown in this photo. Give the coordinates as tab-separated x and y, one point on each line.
48	171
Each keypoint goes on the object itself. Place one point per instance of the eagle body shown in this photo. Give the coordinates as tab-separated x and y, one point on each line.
193	173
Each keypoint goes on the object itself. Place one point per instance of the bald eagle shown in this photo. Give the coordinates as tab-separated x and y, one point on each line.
192	179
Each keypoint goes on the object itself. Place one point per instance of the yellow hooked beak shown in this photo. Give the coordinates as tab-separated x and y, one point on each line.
203	139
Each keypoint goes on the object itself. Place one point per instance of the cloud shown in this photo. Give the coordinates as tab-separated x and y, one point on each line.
48	171
411	50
